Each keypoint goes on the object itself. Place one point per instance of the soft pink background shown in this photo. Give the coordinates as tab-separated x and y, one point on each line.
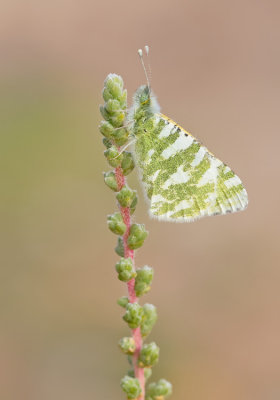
216	72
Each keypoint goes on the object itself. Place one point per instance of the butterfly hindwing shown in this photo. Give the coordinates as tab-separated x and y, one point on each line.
182	179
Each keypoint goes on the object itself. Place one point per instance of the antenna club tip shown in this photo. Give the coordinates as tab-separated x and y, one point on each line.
140	52
147	49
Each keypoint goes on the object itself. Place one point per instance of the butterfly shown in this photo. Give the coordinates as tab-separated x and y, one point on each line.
182	179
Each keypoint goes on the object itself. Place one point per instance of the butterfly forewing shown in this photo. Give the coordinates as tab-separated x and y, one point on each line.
182	179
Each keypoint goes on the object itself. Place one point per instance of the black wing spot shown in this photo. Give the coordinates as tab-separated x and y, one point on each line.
186	135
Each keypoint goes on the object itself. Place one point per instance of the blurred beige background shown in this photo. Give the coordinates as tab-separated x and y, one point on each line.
216	72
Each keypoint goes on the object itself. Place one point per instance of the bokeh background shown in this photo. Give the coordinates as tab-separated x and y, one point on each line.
216	72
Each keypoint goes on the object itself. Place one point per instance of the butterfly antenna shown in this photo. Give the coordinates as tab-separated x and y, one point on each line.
140	52
147	51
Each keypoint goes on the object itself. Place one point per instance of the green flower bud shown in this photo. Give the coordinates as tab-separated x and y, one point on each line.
119	249
112	106
159	390
123	301
143	279
127	345
107	95
104	113
120	136
106	129
117	119
107	143
148	355
113	156
127	163
131	386
133	204
137	235
125	269
126	196
116	224
133	315
149	318
123	99
114	110
112	83
111	181
116	92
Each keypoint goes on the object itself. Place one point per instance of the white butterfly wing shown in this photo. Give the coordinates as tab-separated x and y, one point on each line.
183	180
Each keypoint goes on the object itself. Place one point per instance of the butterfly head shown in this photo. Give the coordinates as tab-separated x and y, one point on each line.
144	102
144	96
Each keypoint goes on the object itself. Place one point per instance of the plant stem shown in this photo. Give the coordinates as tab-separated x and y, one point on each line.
136	333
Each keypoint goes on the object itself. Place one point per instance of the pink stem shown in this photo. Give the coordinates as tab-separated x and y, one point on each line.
136	333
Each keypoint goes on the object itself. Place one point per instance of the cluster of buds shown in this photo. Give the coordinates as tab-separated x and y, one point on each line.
131	236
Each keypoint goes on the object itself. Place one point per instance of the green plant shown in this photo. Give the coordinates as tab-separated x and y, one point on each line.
131	236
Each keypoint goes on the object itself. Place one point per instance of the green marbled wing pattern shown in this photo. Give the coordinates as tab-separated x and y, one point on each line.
182	179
